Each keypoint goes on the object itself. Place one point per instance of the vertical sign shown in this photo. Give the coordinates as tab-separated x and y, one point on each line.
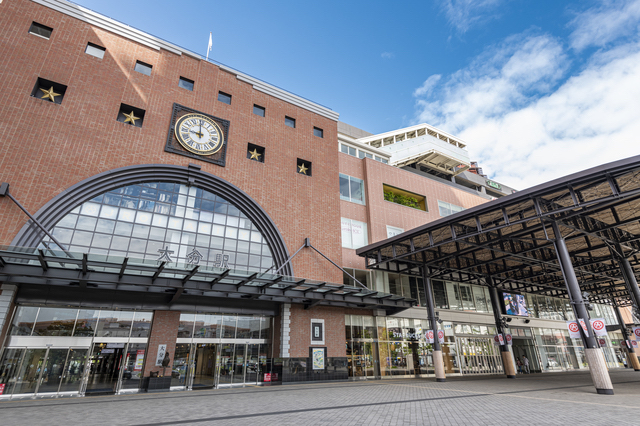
584	326
634	344
636	332
318	358
317	332
602	343
162	349
1	388
429	336
509	339
500	339
440	336
496	340
598	326
574	329
140	360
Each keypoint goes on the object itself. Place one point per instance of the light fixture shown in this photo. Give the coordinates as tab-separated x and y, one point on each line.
527	321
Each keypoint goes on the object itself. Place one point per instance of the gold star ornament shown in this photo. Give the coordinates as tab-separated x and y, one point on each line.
303	169
130	118
49	94
255	155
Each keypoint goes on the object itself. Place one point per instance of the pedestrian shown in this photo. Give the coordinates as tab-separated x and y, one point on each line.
519	364
526	364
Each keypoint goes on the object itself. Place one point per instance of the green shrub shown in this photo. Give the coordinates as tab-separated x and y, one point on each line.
403	200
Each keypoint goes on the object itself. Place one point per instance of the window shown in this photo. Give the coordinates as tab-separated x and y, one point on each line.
185	83
382	160
95	50
291	122
351	189
318	132
447	209
362	154
354	233
348	150
143	68
404	198
40	30
130	115
48	90
258	110
224	98
392	231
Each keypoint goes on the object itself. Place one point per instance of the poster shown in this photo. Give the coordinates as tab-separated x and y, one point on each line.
139	360
636	332
574	330
429	336
509	339
496	340
162	349
598	326
440	336
318	358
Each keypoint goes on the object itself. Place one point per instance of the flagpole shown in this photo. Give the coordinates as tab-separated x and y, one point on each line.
209	46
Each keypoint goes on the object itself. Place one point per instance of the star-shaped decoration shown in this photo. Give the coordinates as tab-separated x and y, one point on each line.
255	155
130	118
303	169
49	94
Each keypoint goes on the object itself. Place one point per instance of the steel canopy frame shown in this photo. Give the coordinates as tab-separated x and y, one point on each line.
511	239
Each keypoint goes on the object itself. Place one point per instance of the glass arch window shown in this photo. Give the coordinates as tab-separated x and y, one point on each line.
143	220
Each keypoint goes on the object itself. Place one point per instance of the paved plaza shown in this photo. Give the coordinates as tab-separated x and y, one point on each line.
553	399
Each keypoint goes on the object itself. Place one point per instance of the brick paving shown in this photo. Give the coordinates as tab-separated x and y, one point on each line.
549	399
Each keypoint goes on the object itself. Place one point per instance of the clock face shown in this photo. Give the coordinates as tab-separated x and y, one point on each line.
199	134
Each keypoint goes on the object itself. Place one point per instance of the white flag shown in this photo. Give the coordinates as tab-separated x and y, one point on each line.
209	46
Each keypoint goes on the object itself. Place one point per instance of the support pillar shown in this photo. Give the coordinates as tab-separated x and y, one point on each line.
507	358
595	357
629	277
438	361
630	353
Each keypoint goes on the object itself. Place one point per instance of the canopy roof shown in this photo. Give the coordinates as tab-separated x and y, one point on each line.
511	239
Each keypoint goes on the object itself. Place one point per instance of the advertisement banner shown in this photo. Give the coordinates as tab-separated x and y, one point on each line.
139	360
634	344
318	358
636	332
509	339
598	326
429	336
440	336
583	324
496	340
602	343
574	329
1	388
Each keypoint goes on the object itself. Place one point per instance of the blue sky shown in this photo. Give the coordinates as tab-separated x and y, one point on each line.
537	89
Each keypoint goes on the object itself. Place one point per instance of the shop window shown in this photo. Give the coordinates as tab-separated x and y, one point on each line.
95	50
447	209
290	122
318	132
349	150
351	189
404	198
49	91
143	68
225	98
354	233
258	110
130	115
185	83
40	30
114	324
55	322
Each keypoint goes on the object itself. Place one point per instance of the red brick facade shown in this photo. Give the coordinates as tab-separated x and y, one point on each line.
164	330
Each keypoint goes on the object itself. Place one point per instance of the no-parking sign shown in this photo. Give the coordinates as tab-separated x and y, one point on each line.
440	336
574	329
598	326
429	336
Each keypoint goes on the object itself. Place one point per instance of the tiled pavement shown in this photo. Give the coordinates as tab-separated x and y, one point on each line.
536	399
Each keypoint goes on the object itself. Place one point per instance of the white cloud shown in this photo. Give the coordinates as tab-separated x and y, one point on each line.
427	86
605	23
387	55
464	14
526	121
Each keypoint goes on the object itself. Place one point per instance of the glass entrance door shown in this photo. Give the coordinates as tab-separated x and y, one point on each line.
104	368
205	366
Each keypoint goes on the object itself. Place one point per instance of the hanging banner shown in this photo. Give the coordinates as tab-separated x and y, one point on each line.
509	339
440	336
584	326
636	332
139	360
628	343
496	340
429	336
574	329
634	344
598	326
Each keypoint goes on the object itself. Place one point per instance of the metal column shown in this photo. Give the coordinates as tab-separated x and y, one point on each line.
632	357
594	355
507	359
438	362
629	277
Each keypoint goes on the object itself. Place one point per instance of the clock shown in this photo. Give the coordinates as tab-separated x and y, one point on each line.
199	134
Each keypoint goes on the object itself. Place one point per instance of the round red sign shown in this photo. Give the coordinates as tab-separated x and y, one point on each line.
440	334
496	339
597	325
637	332
573	327
430	334
509	338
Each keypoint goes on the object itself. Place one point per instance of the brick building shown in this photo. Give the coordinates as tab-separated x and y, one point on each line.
185	216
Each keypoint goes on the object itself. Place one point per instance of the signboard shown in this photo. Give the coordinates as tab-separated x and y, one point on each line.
107	351
440	336
509	339
267	377
115	345
602	343
429	335
634	344
636	332
574	329
598	326
318	358
496	340
1	388
493	184
583	324
162	349
139	360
